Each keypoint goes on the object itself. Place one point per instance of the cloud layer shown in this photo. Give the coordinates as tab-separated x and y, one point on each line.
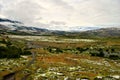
62	14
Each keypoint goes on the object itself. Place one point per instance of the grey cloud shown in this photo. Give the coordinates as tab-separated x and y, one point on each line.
100	11
57	23
61	3
51	13
8	20
1	7
39	18
25	11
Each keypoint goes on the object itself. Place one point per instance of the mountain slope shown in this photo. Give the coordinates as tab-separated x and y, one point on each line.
98	33
103	32
15	27
8	20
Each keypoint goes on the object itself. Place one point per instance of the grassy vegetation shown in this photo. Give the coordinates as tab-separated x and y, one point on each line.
12	49
59	66
63	58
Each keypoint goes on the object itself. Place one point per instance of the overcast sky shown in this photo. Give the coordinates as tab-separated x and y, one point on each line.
62	14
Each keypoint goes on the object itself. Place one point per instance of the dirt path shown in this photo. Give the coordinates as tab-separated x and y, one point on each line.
29	64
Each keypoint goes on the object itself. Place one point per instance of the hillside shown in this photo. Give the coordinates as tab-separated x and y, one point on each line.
18	28
103	32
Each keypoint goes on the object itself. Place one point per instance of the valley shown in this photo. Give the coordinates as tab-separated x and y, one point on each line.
59	39
62	58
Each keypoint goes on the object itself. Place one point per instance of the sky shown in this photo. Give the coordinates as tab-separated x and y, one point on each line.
62	14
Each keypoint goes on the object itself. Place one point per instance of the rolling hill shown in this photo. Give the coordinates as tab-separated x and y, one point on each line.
15	27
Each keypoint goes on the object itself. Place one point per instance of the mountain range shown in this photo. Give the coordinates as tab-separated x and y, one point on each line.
15	27
8	20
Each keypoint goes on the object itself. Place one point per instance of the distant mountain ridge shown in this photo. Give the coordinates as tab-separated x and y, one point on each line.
8	20
17	28
103	32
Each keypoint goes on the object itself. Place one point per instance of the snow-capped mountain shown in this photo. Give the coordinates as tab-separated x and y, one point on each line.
12	26
83	28
16	27
8	20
